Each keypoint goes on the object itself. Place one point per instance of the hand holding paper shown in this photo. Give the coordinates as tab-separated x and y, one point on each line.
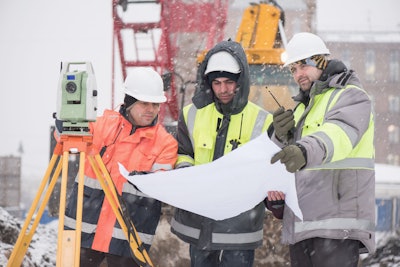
223	188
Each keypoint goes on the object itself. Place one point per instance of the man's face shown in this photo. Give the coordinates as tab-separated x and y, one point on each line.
143	113
224	89
304	75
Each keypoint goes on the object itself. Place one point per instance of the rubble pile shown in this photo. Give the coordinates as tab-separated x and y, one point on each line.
43	247
167	249
387	255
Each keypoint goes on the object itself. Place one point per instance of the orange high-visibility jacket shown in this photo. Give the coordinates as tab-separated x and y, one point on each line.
147	149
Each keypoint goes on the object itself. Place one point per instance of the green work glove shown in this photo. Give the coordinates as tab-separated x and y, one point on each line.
283	122
293	156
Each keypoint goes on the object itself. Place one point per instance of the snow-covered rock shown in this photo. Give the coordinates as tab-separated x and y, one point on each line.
169	251
42	249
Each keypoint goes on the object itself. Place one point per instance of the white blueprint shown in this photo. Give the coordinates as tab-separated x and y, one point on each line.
225	187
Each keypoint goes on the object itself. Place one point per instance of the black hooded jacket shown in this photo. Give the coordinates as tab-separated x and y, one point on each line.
204	93
204	96
244	231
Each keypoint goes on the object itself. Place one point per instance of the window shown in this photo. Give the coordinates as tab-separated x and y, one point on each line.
394	103
370	65
393	132
394	68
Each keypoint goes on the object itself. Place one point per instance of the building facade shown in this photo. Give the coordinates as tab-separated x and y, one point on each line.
374	55
10	184
376	60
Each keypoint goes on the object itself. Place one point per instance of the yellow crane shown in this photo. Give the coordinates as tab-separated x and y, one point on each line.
262	36
261	33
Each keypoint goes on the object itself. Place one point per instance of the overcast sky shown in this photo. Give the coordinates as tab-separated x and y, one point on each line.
360	15
35	36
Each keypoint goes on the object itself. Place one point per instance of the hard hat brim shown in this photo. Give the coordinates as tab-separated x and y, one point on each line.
150	99
293	60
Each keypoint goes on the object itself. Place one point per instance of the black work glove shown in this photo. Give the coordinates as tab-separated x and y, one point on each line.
293	156
137	173
276	207
132	173
283	122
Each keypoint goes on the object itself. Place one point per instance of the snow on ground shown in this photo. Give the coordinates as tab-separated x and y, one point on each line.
42	249
169	251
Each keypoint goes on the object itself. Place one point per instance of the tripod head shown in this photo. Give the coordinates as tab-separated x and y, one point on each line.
77	97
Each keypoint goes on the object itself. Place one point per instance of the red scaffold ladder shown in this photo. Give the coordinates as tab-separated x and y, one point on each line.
161	42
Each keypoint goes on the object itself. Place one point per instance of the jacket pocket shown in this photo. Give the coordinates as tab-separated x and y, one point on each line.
204	147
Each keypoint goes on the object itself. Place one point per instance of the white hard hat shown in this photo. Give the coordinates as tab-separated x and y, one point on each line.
304	45
145	84
222	61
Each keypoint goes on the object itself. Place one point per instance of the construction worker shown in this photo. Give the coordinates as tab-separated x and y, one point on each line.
328	142
218	121
134	138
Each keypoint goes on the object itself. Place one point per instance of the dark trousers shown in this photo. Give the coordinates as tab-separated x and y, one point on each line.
93	258
323	252
221	258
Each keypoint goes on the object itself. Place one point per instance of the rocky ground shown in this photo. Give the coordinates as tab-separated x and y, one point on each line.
43	247
169	251
386	255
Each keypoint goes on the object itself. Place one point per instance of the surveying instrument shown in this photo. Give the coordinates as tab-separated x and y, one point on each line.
76	107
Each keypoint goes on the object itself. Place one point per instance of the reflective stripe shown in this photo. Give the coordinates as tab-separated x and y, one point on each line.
87	228
349	131
191	116
145	238
236	238
221	238
329	147
259	124
183	164
127	188
330	137
117	232
159	166
333	224
90	182
185	230
350	163
336	129
333	99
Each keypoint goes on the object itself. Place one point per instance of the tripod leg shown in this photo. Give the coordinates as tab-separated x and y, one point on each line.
66	238
24	238
112	196
81	176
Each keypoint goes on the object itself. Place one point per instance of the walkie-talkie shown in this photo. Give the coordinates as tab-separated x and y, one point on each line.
291	131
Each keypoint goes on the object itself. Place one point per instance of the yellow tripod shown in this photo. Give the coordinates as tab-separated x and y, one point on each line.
68	247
